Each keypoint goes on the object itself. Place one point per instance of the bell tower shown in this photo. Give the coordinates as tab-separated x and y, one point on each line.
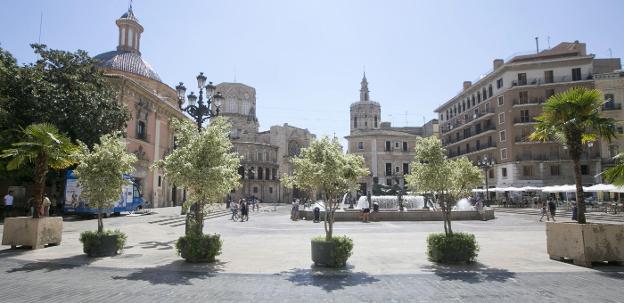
365	114
129	32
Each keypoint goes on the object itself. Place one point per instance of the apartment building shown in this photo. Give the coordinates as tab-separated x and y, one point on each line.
387	150
494	116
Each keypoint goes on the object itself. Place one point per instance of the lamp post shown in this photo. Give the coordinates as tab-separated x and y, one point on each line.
486	164
197	109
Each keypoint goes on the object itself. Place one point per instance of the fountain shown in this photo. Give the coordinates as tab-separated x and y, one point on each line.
463	204
391	202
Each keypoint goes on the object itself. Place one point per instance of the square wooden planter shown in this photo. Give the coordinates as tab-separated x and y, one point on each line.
585	243
35	233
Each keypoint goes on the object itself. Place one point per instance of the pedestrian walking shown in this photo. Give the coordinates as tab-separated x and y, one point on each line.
234	210
552	208
256	203
8	204
244	210
294	210
544	212
228	201
574	214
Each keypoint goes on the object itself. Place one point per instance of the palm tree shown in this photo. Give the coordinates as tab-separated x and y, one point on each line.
44	146
573	118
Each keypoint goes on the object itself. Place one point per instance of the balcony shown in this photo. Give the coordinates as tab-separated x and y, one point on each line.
524	120
460	120
540	81
469	135
611	106
531	101
452	154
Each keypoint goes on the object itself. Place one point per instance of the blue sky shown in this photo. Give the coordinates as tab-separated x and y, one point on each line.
305	58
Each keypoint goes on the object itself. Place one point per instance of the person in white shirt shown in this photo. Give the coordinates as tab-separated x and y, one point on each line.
8	204
45	206
365	210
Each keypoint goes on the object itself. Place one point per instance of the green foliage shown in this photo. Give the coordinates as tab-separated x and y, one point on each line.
573	118
615	174
204	162
101	171
199	248
323	167
45	147
446	180
41	142
342	249
455	248
91	239
62	88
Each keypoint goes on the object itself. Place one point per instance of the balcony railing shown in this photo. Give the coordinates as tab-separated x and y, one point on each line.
539	81
531	101
469	134
460	120
472	149
611	106
524	120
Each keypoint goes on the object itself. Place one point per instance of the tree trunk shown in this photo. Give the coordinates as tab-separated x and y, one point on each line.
329	218
576	149
100	222
41	170
580	197
199	218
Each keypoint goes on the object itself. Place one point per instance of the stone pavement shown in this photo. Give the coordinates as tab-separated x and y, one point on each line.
268	260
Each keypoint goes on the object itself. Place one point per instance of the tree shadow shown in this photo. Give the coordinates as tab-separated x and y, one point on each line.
176	273
470	273
55	264
328	279
158	245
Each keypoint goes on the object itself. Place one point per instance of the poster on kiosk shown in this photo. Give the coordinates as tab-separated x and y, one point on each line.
129	198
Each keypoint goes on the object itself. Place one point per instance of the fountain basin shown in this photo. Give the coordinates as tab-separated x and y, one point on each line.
409	215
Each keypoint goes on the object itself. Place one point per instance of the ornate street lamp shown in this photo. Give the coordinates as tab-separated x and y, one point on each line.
197	109
486	164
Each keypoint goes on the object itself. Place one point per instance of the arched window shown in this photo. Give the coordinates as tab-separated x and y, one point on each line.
375	121
141	131
354	121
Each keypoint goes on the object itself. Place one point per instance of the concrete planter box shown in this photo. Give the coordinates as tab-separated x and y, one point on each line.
106	247
322	253
585	243
35	233
410	215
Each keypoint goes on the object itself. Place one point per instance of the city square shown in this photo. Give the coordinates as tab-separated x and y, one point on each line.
311	151
267	259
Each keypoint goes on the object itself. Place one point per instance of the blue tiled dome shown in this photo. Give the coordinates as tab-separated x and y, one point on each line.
128	62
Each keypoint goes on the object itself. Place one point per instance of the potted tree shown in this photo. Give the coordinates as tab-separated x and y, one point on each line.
322	167
45	147
205	164
574	118
446	181
100	172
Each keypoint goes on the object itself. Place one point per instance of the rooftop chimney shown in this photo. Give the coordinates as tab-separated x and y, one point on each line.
467	84
498	63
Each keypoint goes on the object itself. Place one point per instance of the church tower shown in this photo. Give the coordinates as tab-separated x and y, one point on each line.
129	32
365	114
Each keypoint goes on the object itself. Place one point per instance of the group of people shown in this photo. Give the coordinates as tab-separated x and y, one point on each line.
43	209
548	209
240	209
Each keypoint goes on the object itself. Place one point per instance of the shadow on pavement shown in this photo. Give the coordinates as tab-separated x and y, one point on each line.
328	279
176	273
470	273
55	264
158	245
